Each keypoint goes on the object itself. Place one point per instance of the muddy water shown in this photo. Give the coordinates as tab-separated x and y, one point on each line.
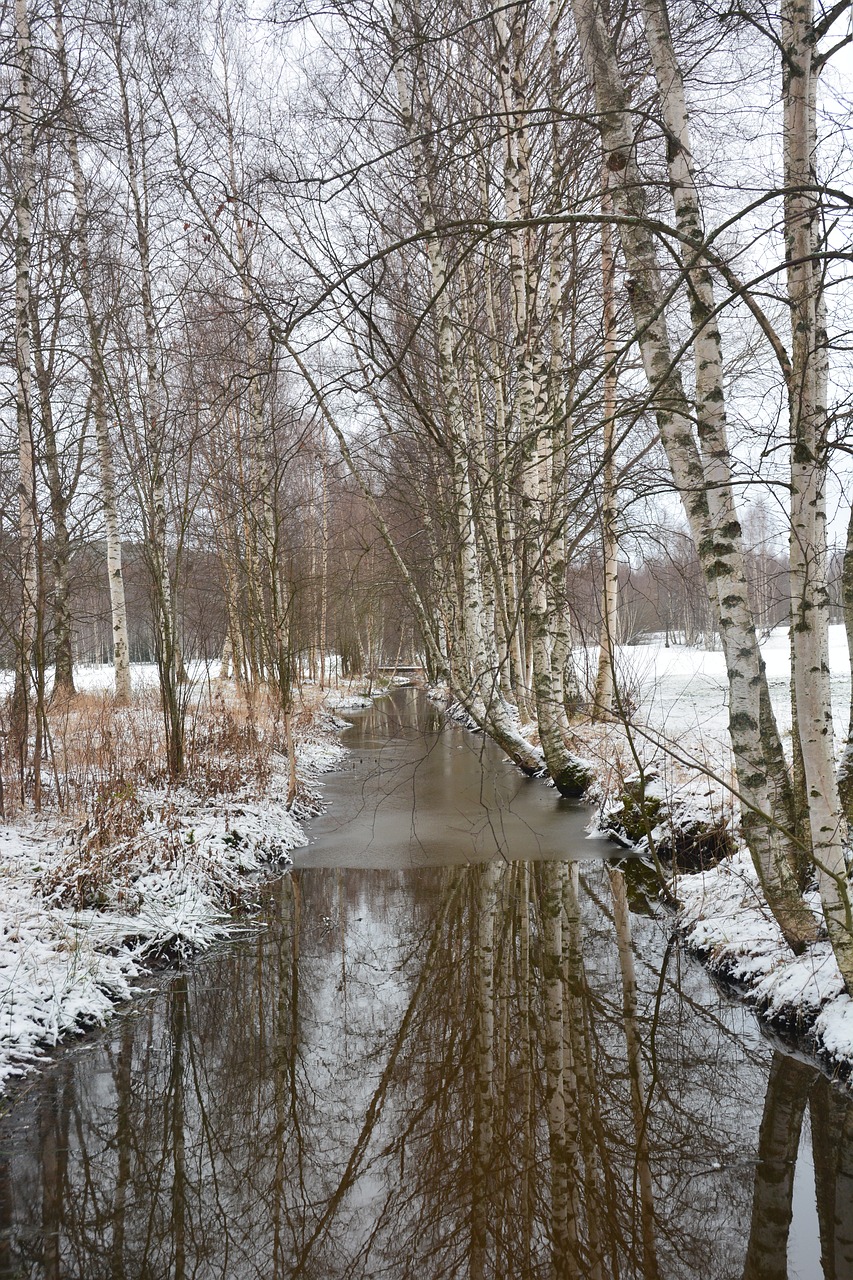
433	1062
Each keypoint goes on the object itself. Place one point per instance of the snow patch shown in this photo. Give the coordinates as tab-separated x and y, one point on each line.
723	915
64	969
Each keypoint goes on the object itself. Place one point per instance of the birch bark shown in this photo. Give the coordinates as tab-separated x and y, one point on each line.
482	695
103	442
63	680
717	538
569	775
807	413
27	516
154	502
605	686
264	488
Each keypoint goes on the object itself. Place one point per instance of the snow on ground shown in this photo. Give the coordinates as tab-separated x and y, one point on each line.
683	690
722	912
723	916
164	888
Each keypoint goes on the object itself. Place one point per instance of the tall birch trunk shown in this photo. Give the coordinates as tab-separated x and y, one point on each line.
605	686
568	774
807	412
264	489
27	519
717	537
153	413
103	442
481	690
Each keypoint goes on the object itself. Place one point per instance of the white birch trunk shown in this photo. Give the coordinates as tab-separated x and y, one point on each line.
569	776
481	693
23	205
153	412
807	410
103	443
605	682
717	542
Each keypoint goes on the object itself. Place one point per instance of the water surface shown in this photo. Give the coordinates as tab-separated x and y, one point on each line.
433	1063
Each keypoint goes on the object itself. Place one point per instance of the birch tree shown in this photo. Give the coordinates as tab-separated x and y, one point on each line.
701	472
23	190
94	326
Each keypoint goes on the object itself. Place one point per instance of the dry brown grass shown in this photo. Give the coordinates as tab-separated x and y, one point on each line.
96	753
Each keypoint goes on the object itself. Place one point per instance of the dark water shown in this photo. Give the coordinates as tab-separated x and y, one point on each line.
430	1066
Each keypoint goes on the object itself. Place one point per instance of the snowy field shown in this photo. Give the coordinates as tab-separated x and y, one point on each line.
682	693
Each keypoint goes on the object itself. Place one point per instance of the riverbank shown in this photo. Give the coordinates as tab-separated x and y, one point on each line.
678	743
136	872
669	765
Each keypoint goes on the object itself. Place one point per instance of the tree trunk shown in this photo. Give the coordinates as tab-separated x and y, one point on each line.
115	576
807	413
605	683
63	679
27	514
717	538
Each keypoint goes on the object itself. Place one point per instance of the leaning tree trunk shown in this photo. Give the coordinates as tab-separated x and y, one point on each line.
807	400
728	591
717	539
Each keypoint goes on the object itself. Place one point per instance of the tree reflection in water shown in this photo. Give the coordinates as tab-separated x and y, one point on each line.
446	1072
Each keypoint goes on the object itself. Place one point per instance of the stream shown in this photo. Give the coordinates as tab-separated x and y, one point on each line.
430	1062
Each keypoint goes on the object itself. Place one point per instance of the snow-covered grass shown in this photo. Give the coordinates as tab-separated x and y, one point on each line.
134	869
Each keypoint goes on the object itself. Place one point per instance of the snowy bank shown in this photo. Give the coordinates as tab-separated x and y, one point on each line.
723	917
82	917
679	737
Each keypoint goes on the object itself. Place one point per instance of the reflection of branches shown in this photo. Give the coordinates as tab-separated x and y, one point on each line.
376	1102
416	1126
